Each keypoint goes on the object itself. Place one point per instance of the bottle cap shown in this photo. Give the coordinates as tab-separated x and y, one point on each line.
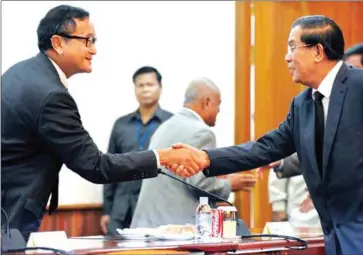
203	200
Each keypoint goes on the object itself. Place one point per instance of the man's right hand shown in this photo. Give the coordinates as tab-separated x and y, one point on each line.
105	220
183	160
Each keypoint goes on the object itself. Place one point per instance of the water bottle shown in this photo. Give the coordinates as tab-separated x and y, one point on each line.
203	218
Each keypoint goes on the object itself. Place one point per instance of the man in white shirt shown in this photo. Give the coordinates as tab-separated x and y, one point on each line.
289	197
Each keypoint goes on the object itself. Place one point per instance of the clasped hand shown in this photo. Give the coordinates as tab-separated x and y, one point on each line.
184	160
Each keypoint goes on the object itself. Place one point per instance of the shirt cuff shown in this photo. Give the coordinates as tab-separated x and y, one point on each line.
280	167
157	159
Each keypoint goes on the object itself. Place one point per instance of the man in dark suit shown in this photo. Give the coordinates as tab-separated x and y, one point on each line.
331	154
132	132
352	56
41	128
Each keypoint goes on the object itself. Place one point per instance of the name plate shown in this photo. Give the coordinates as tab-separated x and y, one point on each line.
49	239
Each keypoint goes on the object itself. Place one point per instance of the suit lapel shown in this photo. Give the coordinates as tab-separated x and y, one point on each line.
308	117
49	69
335	107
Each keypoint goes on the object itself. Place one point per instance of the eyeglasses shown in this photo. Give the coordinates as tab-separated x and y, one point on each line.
292	48
89	40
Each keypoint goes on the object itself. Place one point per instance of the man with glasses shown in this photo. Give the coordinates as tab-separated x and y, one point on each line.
41	128
352	56
324	126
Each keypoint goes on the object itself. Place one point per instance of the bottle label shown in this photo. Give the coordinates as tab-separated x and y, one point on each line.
217	223
204	224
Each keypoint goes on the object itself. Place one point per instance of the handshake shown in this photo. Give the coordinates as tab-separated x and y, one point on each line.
183	160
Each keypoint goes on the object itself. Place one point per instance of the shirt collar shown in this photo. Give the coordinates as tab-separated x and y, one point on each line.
326	85
195	114
157	114
61	74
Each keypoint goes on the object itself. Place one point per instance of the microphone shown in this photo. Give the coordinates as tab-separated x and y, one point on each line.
242	228
11	238
196	188
12	241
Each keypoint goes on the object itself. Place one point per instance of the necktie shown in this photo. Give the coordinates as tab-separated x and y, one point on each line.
54	199
319	129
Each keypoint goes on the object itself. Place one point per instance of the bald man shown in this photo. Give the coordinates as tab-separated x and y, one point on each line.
165	201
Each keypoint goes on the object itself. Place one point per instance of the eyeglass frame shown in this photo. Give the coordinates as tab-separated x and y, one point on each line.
291	49
89	42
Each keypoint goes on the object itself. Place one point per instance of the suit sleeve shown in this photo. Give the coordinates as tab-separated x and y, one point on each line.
205	139
290	168
277	191
60	127
271	147
109	188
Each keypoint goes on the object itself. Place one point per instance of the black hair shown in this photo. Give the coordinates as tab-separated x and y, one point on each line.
319	29
60	19
147	69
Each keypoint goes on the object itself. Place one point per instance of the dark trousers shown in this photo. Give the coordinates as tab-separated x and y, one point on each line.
119	223
30	224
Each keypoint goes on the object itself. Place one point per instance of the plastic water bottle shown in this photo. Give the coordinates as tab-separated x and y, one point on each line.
203	218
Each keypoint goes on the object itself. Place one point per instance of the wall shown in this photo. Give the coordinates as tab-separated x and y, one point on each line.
183	40
75	220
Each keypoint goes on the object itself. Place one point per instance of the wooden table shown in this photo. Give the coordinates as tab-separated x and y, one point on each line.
96	245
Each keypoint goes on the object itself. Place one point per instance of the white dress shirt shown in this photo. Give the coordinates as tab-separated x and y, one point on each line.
326	86
286	195
61	74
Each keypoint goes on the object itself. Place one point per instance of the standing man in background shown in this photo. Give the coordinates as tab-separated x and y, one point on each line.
354	55
132	132
164	200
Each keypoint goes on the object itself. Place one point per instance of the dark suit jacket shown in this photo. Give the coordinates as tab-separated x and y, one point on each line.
41	129
338	193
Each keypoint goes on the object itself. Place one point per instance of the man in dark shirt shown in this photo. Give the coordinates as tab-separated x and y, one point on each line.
132	133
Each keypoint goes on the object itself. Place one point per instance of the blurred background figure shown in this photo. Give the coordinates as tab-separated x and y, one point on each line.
354	55
289	197
166	201
132	132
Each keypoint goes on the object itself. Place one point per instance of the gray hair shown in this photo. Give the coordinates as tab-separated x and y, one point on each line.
197	87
